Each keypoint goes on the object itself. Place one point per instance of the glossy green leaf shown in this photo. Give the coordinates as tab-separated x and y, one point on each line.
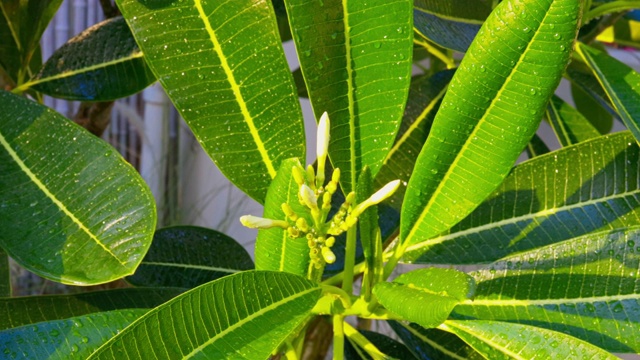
245	315
102	63
492	108
356	61
536	147
5	275
74	338
26	310
451	24
429	344
620	82
568	124
275	249
388	346
425	95
498	340
585	287
58	213
22	23
625	32
577	190
188	256
425	296
223	67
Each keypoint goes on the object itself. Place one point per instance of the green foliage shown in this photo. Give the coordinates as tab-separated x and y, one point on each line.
555	239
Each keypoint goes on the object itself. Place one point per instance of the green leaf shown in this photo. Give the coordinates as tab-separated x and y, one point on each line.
425	296
619	81
425	95
245	315
588	187
58	213
536	147
275	250
429	344
5	275
452	24
102	63
22	23
26	310
223	67
356	61
492	108
585	89
568	124
498	340
369	234
188	256
585	287
388	346
74	338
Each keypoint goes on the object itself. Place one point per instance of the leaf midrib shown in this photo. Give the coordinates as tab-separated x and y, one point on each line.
543	302
450	18
190	266
482	338
350	91
54	199
480	122
247	319
530	216
235	88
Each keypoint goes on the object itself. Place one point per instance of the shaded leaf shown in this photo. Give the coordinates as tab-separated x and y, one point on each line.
385	344
586	287
499	340
188	256
71	338
455	34
568	124
425	296
577	190
102	63
599	117
21	26
368	233
425	95
275	249
427	344
57	210
536	147
245	315
5	275
356	61
620	82
26	310
239	100
581	78
485	121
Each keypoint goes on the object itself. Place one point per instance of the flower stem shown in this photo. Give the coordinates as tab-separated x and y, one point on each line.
349	260
338	337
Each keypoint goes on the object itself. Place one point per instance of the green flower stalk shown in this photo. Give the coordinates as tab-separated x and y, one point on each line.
316	197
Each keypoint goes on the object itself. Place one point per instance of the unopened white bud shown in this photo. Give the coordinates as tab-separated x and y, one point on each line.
385	192
308	197
322	146
256	222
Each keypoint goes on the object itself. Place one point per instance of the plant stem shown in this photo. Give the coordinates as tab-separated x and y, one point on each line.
338	278
393	261
363	342
349	260
338	337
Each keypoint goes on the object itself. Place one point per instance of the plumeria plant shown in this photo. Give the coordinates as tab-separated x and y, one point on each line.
424	108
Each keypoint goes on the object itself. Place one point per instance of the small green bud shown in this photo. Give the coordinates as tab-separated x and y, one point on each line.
335	177
293	232
311	176
330	241
301	223
298	175
288	211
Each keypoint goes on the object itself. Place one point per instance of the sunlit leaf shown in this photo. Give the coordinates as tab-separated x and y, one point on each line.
580	189
188	256
275	249
223	67
499	340
492	108
100	64
74	338
58	213
425	296
356	61
245	315
585	287
19	311
620	82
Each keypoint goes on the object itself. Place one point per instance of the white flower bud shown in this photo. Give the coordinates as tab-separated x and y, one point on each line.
255	222
322	146
308	197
